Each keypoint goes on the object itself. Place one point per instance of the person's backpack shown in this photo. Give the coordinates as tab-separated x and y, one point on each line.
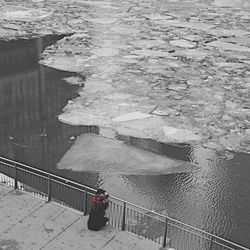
95	203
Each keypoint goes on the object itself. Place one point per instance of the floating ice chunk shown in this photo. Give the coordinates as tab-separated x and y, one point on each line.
194	53
226	32
131	116
124	29
189	25
101	4
74	80
157	16
146	44
27	14
169	130
106	52
97	154
101	20
228	46
151	53
179	134
231	3
183	43
76	117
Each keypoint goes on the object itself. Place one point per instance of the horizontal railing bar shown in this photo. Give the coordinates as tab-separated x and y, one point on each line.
67	185
45	173
66	182
184	229
230	242
27	171
7	164
220	244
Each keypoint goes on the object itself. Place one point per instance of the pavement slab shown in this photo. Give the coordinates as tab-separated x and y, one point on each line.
30	222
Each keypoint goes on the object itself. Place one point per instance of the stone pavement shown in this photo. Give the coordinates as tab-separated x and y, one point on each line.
29	222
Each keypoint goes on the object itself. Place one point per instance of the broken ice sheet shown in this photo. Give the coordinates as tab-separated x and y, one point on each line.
228	46
198	54
22	13
65	63
146	44
182	24
101	20
131	116
74	80
231	3
93	153
183	43
179	134
105	52
100	4
151	53
157	16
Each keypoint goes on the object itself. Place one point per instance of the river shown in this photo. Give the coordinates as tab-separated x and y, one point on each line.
215	197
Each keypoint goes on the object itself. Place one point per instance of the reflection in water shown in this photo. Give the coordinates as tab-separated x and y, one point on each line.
216	198
31	98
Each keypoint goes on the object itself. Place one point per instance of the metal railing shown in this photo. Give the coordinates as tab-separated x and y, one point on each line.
122	214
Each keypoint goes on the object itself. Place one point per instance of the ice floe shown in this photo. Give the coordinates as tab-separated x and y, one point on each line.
93	153
228	46
22	13
131	116
180	134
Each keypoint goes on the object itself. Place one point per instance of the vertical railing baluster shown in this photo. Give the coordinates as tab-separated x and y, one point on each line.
115	213
123	216
111	212
165	233
15	178
49	188
211	243
85	201
128	219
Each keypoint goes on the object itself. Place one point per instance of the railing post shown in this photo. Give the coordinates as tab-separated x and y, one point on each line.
211	243
85	201
49	188
15	178
124	216
165	234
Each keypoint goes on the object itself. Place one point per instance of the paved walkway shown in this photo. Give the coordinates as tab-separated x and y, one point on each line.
29	222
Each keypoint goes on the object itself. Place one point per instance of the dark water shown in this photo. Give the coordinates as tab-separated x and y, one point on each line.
31	98
215	198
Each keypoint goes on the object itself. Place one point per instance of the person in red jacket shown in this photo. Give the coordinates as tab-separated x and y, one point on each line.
99	204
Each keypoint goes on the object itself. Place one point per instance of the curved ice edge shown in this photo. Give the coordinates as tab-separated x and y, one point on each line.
96	154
